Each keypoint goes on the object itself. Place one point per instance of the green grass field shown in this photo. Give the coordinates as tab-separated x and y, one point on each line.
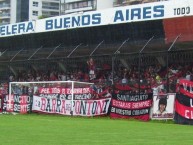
41	129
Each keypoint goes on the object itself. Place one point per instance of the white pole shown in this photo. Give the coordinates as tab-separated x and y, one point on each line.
46	82
72	99
9	88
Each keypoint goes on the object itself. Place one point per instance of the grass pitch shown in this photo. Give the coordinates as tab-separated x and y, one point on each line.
41	129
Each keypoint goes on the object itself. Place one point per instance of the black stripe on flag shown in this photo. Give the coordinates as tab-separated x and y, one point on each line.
185	100
181	120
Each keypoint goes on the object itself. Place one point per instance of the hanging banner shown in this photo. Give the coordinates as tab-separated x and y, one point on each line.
16	103
65	93
163	106
126	105
185	87
59	90
184	103
64	107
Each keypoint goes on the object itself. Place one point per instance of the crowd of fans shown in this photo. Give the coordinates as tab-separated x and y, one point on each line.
156	78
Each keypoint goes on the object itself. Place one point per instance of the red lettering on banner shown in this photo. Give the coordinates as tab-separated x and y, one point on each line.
54	105
43	107
23	108
69	91
23	104
86	90
10	103
89	104
64	90
122	104
44	91
78	91
55	90
63	109
184	111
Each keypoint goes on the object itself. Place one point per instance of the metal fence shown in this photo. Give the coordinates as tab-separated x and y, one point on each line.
134	56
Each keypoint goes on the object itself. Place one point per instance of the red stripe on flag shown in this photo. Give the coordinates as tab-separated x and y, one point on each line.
184	111
141	117
183	81
186	93
23	104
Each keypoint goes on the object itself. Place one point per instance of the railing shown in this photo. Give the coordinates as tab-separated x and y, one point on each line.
5	15
129	2
51	7
4	23
89	4
4	5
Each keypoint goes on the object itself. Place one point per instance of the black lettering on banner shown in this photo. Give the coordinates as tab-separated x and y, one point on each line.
105	106
4	106
82	96
53	96
83	107
166	115
185	100
79	96
16	107
48	105
67	96
94	107
182	11
58	105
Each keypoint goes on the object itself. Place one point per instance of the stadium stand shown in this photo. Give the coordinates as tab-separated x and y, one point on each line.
136	52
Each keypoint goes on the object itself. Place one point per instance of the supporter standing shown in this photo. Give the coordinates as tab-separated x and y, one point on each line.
92	68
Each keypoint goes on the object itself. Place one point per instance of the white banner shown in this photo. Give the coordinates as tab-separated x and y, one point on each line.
116	15
80	107
163	106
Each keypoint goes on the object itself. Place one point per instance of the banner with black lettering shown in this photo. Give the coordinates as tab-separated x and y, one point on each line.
16	103
79	108
136	106
184	103
163	106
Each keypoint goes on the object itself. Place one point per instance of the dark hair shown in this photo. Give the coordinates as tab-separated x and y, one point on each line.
162	101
